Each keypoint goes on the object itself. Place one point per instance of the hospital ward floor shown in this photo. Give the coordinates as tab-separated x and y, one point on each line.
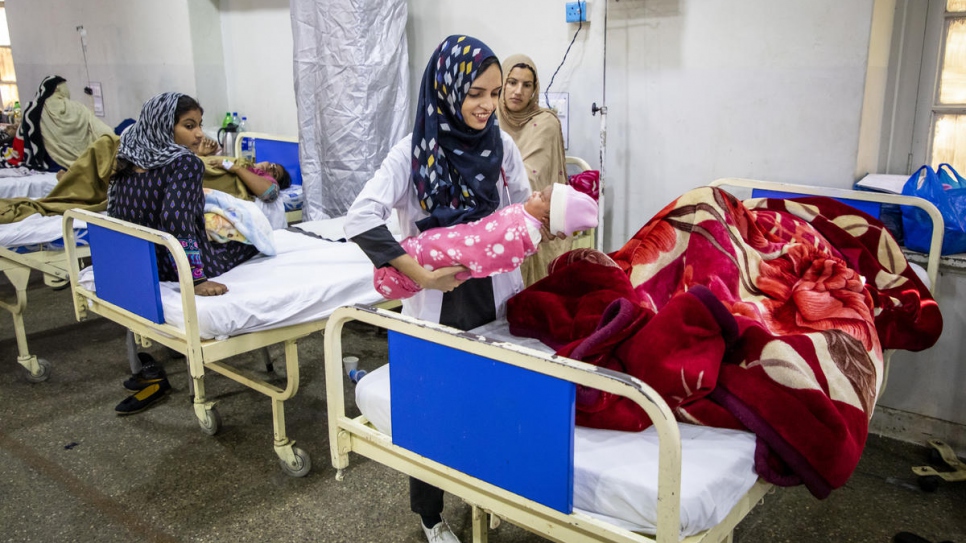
71	470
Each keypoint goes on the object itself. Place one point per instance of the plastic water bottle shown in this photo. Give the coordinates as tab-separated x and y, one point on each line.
248	148
243	126
234	119
227	120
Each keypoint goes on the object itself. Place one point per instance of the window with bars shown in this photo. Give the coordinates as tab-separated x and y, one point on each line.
948	134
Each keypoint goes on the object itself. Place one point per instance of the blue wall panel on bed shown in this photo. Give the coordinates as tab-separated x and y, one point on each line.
285	153
869	208
126	272
508	426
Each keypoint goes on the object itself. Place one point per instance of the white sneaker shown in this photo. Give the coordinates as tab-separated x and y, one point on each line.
439	533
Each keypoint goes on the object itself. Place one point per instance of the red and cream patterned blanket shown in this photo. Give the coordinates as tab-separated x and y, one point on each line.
769	315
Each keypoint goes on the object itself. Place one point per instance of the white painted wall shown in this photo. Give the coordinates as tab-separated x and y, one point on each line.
136	49
746	88
258	64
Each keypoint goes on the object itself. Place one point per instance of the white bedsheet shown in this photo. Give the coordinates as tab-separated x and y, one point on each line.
306	281
32	185
615	473
35	229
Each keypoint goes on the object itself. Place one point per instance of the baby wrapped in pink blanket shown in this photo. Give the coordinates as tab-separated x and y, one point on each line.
492	245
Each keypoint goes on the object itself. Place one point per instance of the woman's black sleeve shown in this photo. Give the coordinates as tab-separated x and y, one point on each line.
379	245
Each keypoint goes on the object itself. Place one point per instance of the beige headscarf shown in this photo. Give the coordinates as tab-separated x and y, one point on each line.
537	133
69	127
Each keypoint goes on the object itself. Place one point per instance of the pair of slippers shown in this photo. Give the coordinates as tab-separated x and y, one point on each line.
150	385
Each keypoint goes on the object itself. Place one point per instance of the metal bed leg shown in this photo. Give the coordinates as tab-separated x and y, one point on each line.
295	461
267	359
38	369
480	526
132	353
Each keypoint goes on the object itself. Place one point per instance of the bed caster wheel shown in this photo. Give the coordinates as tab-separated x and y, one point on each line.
43	374
929	483
300	466
211	423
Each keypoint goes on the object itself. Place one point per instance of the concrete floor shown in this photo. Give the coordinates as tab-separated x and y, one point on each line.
70	470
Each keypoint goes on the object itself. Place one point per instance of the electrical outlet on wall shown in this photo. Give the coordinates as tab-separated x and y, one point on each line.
576	12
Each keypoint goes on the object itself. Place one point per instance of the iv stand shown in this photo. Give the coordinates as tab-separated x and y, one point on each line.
83	36
594	110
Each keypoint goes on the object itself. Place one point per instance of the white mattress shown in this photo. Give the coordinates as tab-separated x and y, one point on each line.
35	229
615	473
32	185
306	281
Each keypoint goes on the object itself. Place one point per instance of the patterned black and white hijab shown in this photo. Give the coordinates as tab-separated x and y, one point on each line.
35	153
149	143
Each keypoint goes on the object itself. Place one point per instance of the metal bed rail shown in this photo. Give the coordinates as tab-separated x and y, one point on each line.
356	435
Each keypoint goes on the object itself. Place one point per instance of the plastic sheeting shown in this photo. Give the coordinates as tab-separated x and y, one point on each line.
352	91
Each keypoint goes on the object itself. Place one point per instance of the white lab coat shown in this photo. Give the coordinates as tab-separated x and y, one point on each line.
392	188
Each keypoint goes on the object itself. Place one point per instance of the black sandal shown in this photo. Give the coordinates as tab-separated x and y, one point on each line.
144	398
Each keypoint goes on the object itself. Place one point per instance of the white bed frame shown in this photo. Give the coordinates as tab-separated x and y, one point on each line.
359	436
17	267
202	354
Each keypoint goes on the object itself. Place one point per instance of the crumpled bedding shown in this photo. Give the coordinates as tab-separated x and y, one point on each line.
768	315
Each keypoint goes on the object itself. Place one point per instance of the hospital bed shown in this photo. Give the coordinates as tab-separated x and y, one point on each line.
24	183
672	482
36	243
271	300
284	151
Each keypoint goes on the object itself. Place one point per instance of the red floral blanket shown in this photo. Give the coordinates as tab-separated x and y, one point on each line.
769	315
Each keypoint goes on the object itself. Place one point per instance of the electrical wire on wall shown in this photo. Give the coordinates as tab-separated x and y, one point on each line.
580	24
595	109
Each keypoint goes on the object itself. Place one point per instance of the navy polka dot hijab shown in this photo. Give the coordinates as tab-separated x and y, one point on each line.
456	169
149	143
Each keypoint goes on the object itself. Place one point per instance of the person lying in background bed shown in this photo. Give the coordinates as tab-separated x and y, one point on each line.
495	244
262	179
84	185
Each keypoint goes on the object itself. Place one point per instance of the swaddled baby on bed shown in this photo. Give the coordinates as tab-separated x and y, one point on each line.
494	244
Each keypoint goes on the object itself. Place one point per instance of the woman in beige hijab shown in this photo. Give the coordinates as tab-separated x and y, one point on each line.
537	133
68	127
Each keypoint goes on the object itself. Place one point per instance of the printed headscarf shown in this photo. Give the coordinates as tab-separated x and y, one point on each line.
513	121
34	153
149	142
456	169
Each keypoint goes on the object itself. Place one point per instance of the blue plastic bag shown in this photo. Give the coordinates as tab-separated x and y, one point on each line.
947	191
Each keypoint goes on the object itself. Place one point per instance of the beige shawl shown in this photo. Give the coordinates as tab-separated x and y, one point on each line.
69	127
537	133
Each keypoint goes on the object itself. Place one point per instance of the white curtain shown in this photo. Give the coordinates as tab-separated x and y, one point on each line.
352	91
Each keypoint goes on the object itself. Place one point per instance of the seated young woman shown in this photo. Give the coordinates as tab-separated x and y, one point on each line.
494	244
158	183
